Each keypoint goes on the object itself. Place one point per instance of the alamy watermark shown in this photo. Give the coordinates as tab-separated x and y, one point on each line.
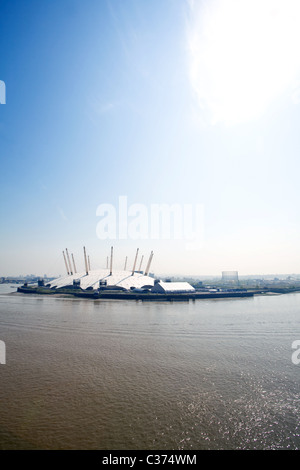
155	222
2	352
2	92
296	354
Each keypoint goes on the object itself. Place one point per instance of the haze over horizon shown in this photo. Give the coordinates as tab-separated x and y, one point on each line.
164	102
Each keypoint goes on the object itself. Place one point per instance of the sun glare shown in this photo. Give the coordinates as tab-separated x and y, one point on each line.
243	54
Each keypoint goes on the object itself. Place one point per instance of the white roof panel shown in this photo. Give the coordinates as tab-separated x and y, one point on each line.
176	286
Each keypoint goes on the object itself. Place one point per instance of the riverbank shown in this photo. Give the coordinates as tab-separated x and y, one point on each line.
144	296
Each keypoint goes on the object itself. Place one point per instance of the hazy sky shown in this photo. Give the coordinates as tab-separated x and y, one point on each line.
162	102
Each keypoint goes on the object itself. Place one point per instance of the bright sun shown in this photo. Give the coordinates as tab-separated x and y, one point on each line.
243	54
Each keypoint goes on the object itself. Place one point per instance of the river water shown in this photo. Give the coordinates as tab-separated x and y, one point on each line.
204	374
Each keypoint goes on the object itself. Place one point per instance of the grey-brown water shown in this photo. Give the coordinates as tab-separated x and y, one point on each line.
83	374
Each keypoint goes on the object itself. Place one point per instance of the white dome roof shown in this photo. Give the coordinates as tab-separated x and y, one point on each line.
123	279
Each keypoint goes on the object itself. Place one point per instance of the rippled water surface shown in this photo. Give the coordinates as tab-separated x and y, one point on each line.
208	374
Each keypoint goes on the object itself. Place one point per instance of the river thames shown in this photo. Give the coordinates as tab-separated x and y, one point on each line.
204	374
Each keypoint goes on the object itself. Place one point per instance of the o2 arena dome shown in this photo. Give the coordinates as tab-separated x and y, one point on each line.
108	278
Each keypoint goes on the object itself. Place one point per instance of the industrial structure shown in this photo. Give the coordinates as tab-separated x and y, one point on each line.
230	276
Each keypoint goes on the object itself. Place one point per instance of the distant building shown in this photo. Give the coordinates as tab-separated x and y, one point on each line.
161	287
230	276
